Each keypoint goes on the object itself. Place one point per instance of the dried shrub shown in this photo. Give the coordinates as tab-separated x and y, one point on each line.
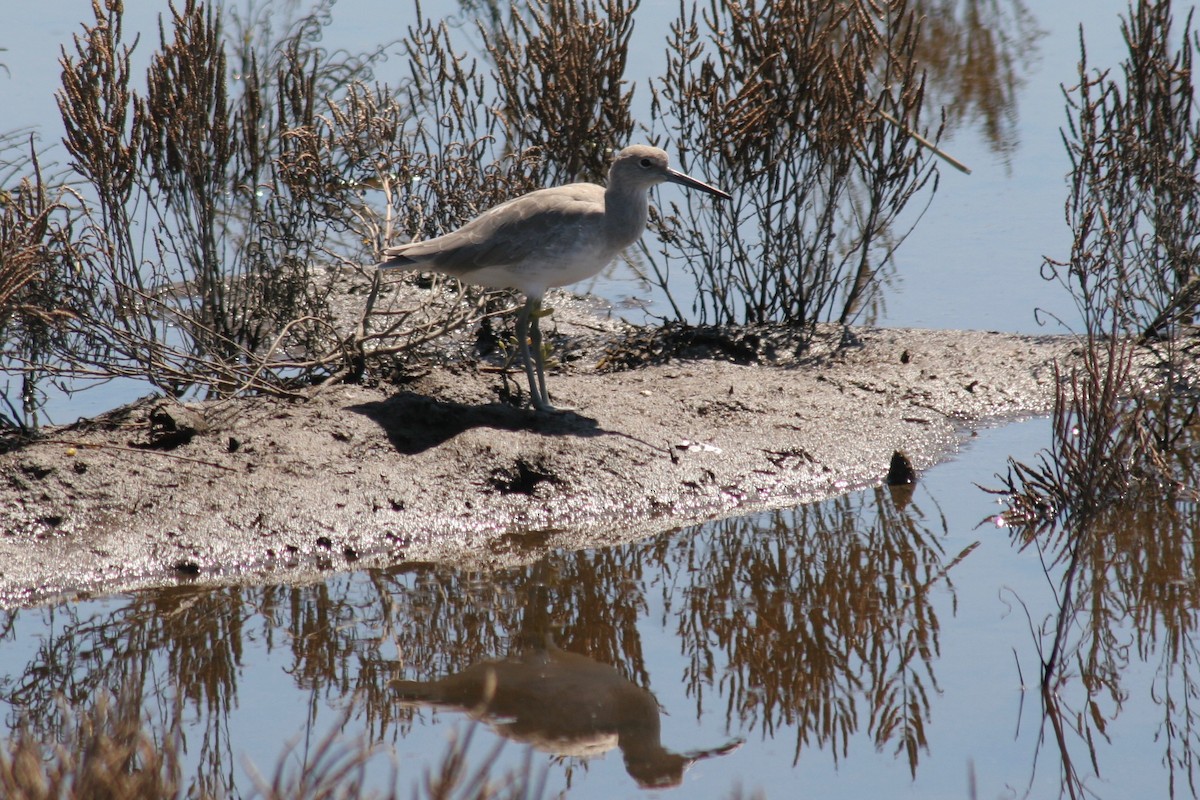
560	74
1096	452
211	199
223	204
1134	208
786	98
1133	273
36	247
195	264
1124	421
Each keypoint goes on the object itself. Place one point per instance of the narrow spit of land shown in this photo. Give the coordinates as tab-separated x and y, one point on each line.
438	469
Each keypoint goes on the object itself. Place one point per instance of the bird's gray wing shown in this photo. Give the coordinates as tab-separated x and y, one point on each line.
534	226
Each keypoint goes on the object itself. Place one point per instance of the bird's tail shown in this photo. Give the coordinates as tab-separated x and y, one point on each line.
394	259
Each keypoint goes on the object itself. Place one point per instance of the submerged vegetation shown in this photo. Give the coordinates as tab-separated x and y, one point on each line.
210	209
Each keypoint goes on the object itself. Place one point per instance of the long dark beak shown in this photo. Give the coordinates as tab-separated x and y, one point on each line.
689	181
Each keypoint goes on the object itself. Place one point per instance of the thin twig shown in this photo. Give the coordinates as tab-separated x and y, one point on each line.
921	140
127	449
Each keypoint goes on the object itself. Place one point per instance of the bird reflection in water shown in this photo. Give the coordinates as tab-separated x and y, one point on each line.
566	704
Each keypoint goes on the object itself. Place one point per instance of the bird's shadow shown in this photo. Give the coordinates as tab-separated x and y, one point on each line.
414	423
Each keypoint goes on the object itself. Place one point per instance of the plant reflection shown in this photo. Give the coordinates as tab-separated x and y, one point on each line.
1128	591
175	651
817	618
815	613
976	53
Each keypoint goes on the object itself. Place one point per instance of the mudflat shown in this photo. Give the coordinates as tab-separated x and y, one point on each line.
438	468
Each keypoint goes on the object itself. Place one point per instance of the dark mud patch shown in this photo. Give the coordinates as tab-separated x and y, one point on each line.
664	432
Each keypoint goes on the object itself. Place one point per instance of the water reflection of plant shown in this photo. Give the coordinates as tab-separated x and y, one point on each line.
1111	507
1126	592
169	652
799	619
110	751
975	53
173	659
791	618
818	618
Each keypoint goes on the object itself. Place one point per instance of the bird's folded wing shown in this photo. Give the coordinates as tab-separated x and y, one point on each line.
536	226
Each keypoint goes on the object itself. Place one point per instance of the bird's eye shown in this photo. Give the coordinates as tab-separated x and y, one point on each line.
647	163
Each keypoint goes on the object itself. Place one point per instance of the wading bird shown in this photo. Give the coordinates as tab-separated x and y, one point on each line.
549	237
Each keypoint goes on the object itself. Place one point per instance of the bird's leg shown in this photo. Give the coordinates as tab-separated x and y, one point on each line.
539	356
533	361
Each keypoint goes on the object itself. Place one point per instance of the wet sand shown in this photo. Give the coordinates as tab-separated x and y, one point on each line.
439	469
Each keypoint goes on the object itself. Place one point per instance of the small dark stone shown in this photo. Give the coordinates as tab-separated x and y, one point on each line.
325	542
900	471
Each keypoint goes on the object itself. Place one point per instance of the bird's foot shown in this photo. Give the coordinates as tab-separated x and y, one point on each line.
546	408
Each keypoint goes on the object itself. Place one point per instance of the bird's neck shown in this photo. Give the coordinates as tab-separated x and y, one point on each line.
625	215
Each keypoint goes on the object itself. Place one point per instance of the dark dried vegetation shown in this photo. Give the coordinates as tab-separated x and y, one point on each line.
229	198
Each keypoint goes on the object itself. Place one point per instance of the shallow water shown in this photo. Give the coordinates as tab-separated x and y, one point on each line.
867	646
